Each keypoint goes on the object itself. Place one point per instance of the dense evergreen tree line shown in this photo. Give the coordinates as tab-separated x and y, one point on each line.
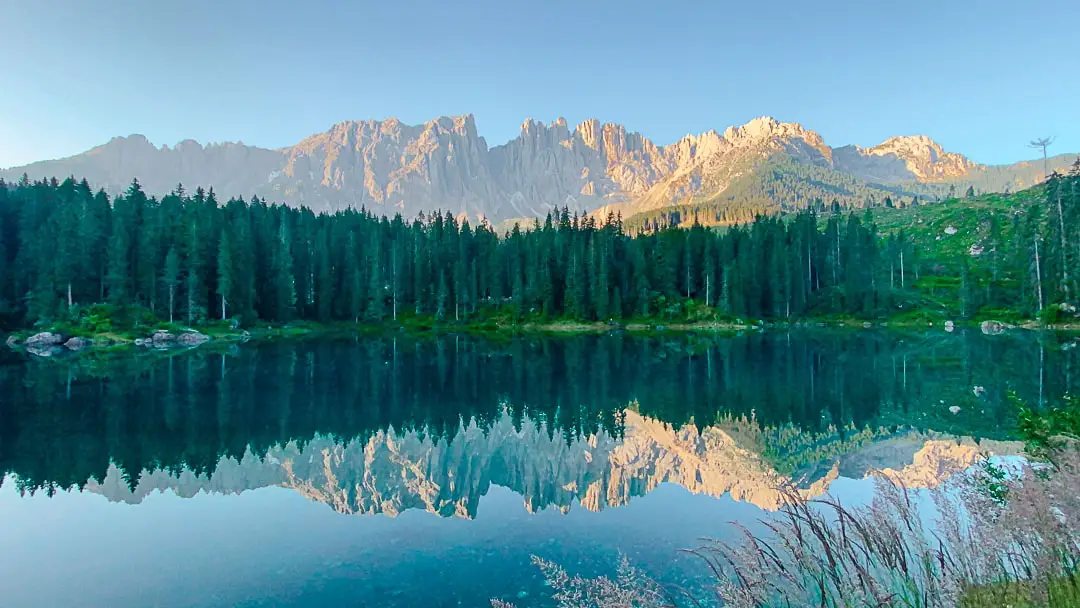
188	257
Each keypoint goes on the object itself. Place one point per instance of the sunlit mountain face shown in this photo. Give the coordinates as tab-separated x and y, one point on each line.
444	165
369	465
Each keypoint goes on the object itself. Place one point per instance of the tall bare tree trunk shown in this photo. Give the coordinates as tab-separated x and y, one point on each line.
393	264
901	266
836	264
809	272
1064	248
1038	275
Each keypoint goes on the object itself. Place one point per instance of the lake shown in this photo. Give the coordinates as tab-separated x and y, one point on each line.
425	472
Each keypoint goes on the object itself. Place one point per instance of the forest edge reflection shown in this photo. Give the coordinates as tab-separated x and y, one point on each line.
378	426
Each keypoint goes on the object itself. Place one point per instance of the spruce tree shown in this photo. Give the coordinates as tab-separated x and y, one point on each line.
225	273
170	278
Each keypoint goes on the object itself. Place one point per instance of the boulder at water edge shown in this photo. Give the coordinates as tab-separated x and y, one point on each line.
192	338
45	338
77	343
993	328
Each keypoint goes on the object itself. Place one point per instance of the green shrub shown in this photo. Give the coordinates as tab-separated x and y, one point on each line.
1057	313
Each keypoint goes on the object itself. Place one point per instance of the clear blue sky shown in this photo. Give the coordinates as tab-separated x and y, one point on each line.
981	77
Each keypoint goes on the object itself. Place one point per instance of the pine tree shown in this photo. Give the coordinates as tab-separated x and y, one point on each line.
324	281
600	285
119	270
284	281
170	278
225	273
375	310
5	300
354	291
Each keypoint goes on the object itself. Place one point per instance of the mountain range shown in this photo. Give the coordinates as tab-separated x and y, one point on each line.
444	165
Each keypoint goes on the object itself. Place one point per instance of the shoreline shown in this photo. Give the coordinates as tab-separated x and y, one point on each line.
54	340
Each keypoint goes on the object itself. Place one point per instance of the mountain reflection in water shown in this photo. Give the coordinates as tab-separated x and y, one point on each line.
391	471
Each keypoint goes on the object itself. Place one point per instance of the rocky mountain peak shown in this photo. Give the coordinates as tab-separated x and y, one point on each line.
189	145
908	145
589	131
389	166
765	128
923	157
135	141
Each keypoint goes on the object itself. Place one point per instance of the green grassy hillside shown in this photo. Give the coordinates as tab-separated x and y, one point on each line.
928	224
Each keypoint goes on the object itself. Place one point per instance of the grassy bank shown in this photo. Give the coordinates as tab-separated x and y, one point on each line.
125	328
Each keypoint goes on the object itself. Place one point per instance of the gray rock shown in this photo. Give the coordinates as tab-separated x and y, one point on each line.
949	326
142	342
162	339
78	343
12	341
993	328
192	338
45	338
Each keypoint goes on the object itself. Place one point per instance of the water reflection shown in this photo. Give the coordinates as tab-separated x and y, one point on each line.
385	425
263	443
393	471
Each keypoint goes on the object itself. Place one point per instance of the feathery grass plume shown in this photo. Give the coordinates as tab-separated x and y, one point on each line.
631	588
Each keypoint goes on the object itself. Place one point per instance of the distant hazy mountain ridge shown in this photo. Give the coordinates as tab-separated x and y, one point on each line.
390	167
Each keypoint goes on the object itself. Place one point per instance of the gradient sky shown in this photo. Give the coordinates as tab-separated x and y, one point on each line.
981	77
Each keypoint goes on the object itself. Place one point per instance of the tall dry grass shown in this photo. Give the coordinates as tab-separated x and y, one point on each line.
993	538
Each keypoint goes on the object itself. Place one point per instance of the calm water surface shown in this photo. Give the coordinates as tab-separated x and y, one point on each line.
405	472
